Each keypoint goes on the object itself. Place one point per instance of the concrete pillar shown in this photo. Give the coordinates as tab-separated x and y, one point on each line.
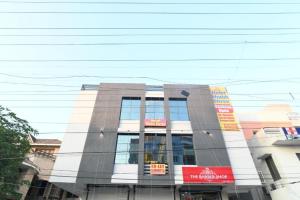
224	195
64	195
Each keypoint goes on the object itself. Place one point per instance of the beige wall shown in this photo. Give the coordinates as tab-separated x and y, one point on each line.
26	176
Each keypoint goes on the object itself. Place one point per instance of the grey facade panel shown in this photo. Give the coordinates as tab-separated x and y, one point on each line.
97	162
210	149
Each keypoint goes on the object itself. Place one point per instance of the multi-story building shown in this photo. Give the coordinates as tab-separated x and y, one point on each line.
273	135
36	170
134	141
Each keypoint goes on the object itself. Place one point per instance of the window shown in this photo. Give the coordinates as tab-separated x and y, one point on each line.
178	110
183	151
298	155
273	169
130	109
127	149
155	149
155	108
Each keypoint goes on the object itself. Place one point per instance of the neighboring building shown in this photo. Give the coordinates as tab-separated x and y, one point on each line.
36	169
274	137
133	141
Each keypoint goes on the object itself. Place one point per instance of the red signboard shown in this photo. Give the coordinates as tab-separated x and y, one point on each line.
204	174
155	122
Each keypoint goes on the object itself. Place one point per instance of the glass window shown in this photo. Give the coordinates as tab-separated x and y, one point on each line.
154	108
127	149
130	109
178	110
155	149
273	169
183	151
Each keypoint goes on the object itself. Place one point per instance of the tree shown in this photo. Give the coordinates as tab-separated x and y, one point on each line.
14	145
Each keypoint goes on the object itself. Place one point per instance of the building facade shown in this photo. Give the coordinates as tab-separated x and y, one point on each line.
274	137
134	141
36	170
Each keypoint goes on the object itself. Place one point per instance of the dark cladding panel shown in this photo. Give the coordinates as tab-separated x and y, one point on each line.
97	162
209	148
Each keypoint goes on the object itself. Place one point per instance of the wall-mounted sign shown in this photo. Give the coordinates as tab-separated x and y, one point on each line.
205	174
224	109
157	169
155	123
291	132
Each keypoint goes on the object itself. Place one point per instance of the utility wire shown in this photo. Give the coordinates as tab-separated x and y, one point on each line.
145	34
150	43
152	12
155	28
62	170
150	60
122	77
67	93
244	123
100	107
150	3
87	100
143	151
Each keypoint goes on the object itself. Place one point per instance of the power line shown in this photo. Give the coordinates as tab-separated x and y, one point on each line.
128	77
87	100
153	131
66	93
241	122
58	170
151	3
154	28
87	107
144	34
149	60
150	43
152	12
143	151
39	84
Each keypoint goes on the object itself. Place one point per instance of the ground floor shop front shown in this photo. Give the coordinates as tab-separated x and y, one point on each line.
176	192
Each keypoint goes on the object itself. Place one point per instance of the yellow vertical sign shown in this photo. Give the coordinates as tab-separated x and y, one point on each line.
224	109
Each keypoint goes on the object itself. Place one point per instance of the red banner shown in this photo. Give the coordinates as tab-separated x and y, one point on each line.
209	174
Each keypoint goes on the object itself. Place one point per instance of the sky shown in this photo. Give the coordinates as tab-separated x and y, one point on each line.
48	50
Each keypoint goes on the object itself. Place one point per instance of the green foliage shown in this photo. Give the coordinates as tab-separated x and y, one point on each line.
14	145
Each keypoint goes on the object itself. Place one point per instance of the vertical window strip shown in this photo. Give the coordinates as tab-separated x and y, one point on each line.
178	109
127	149
130	108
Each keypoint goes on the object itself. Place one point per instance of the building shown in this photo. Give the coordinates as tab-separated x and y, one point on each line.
135	141
274	137
36	170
